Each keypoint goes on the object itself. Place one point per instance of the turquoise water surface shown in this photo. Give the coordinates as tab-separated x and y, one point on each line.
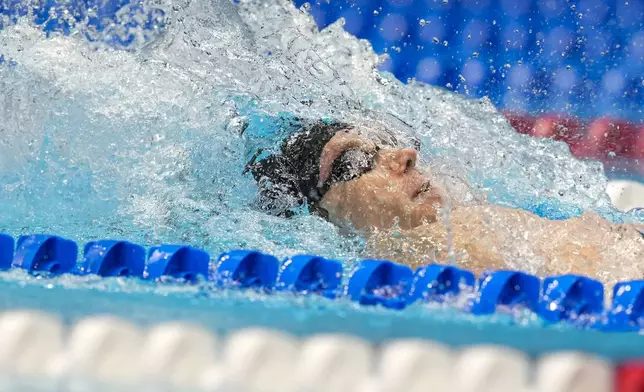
145	145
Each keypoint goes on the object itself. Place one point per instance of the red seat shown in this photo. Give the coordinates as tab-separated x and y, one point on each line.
638	151
630	377
562	128
607	138
521	122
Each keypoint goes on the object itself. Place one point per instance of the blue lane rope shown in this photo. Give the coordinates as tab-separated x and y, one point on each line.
573	299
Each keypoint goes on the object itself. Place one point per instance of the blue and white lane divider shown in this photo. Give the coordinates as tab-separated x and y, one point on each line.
570	298
107	351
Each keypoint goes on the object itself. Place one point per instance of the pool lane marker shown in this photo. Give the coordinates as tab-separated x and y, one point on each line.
102	350
572	299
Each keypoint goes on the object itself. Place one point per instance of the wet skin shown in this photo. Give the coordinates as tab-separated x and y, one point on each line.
396	195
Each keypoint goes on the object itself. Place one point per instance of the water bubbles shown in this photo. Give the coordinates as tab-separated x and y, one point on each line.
580	15
445	2
181	186
568	67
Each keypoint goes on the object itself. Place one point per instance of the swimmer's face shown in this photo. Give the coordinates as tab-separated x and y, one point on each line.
393	191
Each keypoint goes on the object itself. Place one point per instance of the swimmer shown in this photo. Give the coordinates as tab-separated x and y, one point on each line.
358	180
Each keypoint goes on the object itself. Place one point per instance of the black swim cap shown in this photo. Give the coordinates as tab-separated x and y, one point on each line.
289	179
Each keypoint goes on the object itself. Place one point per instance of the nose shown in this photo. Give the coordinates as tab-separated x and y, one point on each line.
403	160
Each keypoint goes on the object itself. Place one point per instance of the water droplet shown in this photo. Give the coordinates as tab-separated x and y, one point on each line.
422	22
445	43
573	7
568	67
469	36
580	15
475	54
507	66
436	40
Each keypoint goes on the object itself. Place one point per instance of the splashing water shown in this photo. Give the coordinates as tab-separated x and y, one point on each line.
144	143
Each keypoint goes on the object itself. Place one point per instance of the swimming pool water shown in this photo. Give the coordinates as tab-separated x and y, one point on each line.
225	311
144	145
